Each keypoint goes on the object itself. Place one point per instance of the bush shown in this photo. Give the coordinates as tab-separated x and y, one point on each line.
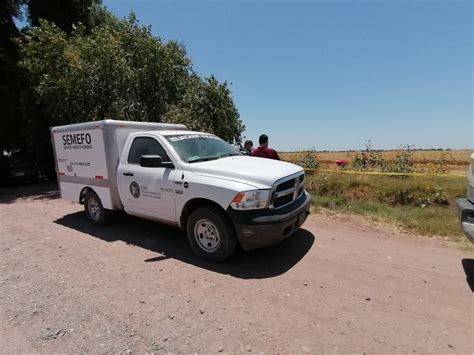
440	196
414	196
309	160
404	160
440	164
403	197
323	185
369	159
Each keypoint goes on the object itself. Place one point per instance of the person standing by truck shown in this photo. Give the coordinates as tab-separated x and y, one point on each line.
263	151
247	148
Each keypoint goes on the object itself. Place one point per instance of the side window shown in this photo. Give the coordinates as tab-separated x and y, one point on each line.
145	146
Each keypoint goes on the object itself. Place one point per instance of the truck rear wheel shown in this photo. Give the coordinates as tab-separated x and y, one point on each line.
210	234
95	212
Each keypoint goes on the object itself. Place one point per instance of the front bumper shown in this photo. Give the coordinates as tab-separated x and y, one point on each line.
259	228
466	217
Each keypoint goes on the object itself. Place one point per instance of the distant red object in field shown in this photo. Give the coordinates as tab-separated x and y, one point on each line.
342	162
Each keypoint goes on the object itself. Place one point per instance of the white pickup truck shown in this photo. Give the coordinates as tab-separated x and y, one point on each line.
192	180
466	205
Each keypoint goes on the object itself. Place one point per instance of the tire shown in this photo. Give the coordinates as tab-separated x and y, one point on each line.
210	234
95	212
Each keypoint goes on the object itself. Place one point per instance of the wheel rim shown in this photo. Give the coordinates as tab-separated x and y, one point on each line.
206	235
94	209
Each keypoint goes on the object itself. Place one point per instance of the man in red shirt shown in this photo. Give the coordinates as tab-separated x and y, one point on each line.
262	151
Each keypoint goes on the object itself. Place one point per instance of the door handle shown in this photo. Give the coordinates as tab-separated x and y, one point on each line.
128	173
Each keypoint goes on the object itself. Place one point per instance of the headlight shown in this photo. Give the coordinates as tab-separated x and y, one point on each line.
251	200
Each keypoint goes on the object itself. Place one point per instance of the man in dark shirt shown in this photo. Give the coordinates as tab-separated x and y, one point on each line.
262	151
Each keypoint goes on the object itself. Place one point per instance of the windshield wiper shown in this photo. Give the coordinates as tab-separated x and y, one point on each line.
228	155
213	157
203	159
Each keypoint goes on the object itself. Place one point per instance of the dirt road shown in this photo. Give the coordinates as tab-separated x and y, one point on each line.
338	285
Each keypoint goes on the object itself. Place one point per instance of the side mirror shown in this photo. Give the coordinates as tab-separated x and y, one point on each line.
151	161
154	161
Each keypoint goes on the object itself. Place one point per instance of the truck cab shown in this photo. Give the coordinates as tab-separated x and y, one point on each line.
191	180
466	205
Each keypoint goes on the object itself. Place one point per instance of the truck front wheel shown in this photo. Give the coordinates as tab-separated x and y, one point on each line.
95	212
210	234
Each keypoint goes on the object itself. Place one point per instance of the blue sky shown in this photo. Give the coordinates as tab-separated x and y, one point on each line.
332	74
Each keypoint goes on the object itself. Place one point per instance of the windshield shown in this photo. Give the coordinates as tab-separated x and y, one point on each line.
201	147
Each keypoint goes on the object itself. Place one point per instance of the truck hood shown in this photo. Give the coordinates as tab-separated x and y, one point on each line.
258	172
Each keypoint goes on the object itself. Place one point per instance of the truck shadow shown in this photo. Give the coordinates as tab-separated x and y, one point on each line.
171	242
44	190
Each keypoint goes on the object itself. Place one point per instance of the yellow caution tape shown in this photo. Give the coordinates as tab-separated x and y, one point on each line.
385	174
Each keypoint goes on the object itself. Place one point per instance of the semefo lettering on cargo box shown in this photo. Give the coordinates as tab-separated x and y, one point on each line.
77	141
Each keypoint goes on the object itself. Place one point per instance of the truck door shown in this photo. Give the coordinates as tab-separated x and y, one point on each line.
147	191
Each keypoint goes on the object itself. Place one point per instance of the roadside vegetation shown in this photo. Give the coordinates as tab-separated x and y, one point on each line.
359	182
74	61
423	205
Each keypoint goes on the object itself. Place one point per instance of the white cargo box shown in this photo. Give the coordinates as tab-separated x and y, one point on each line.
87	154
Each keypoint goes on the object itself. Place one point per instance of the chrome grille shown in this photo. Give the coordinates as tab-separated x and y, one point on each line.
287	190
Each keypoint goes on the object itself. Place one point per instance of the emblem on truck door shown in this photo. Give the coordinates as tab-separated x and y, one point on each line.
135	189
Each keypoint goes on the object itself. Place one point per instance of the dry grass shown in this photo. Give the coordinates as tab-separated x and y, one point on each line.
425	161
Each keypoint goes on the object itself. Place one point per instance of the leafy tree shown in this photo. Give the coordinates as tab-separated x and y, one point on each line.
208	105
404	160
120	71
9	9
13	80
11	77
63	13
